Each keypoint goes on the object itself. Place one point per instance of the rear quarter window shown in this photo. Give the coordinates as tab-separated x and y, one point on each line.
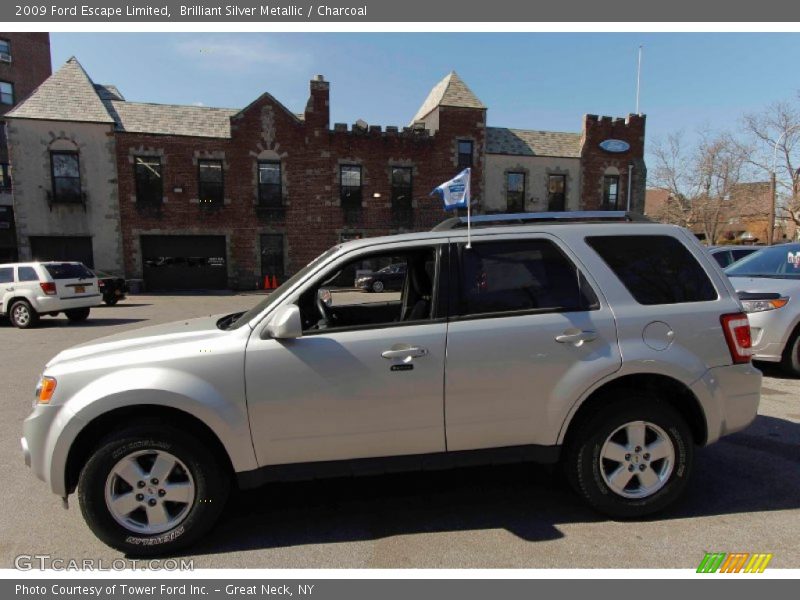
68	271
655	269
27	274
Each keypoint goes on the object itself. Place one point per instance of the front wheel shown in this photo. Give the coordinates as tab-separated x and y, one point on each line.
152	490
377	286
631	458
76	315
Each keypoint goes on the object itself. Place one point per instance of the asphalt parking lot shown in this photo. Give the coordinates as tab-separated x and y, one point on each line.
744	496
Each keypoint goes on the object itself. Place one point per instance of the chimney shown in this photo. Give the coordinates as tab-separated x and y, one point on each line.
317	113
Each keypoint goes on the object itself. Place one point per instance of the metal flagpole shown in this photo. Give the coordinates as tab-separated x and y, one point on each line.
469	210
638	80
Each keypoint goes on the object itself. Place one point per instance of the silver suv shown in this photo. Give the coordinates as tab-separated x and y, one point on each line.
609	346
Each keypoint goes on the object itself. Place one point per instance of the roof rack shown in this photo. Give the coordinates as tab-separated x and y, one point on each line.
575	216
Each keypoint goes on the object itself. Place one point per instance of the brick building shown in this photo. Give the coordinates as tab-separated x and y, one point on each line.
213	198
24	64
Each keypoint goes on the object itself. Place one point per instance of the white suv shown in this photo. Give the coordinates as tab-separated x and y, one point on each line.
32	289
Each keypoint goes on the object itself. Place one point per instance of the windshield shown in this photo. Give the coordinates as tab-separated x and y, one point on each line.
776	261
275	294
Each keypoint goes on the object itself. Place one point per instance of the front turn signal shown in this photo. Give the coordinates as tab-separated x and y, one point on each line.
45	389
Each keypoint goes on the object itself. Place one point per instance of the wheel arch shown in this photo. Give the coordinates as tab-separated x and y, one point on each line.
668	389
125	416
10	301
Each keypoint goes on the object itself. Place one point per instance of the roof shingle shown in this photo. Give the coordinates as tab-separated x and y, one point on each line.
171	119
522	142
67	95
450	91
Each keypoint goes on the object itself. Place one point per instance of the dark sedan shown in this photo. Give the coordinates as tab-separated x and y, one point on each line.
387	278
112	287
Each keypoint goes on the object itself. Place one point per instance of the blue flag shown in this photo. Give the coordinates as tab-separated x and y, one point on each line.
455	192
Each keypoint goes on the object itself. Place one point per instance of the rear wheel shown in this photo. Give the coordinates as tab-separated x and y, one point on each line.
110	299
791	356
77	314
152	489
377	287
632	457
23	315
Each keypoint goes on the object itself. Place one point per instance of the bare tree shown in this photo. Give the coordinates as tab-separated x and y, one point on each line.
699	180
779	124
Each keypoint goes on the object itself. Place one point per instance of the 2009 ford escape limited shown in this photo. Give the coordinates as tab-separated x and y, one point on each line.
610	346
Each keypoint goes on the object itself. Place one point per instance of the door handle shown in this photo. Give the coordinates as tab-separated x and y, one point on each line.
11	289
407	352
577	337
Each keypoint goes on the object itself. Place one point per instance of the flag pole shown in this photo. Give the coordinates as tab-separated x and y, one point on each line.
469	210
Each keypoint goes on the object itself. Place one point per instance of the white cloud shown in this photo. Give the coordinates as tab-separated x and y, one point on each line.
240	53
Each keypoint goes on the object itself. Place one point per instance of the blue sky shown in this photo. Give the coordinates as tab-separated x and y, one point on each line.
528	80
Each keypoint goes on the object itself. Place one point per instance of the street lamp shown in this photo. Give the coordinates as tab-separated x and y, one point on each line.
773	183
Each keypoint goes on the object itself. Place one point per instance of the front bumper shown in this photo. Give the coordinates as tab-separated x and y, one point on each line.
730	396
45	443
770	331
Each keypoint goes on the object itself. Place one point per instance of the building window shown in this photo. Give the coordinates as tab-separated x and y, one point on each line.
149	182
464	154
5	51
5	177
6	93
515	192
402	214
350	186
270	192
66	175
211	185
556	192
610	192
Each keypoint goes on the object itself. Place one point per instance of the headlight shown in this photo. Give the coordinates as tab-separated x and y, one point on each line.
45	389
753	306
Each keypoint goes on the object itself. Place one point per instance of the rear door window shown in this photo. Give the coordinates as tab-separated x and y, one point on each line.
68	271
521	276
7	275
27	274
656	269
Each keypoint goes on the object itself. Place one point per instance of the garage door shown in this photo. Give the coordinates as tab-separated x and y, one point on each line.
184	262
77	248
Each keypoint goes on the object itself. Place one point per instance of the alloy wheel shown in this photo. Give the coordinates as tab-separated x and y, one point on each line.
637	459
149	491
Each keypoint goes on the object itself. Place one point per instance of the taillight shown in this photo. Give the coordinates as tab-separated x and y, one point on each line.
48	287
737	333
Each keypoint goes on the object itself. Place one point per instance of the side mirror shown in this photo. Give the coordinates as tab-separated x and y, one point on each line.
286	323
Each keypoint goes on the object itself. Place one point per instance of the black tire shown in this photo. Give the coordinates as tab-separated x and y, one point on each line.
378	287
22	315
111	299
582	463
211	479
790	362
76	315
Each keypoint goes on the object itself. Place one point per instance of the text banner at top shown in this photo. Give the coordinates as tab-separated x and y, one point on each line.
443	11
